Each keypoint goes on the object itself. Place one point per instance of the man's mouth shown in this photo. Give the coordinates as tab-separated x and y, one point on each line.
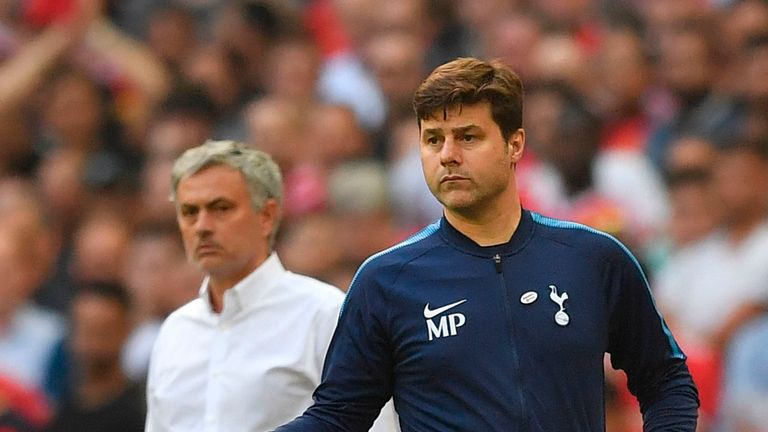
206	248
452	177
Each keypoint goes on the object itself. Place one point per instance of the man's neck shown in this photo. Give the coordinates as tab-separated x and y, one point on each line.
6	318
218	285
490	229
740	230
216	290
99	388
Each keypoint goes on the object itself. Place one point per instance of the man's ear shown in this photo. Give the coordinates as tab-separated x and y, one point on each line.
516	145
270	215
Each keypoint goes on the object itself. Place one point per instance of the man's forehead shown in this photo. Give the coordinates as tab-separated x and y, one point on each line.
473	113
459	109
212	173
204	186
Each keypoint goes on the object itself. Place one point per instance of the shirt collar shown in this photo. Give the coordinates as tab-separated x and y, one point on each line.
519	239
246	292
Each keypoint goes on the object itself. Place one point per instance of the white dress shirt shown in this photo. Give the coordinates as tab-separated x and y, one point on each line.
250	368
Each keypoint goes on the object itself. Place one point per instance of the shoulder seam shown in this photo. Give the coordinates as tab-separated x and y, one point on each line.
425	233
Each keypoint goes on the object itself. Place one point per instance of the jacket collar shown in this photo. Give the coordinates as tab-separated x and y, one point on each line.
520	238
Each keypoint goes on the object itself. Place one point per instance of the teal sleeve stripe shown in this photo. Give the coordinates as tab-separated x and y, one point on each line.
419	236
556	223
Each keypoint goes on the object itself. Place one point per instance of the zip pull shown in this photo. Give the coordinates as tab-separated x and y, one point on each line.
497	262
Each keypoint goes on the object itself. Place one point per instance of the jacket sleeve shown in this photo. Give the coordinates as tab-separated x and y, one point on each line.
357	372
641	344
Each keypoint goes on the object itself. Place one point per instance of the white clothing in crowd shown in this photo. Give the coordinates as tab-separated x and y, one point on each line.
701	286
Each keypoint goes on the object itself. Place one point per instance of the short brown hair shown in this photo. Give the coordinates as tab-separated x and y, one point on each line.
469	81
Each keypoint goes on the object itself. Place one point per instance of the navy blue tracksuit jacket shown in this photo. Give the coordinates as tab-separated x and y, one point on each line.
503	338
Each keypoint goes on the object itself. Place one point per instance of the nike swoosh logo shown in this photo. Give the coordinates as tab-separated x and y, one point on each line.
433	313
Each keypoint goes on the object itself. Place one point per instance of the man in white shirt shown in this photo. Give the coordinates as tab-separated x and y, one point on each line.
712	287
248	353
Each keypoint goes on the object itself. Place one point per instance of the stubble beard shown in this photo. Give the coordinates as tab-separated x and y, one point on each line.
473	201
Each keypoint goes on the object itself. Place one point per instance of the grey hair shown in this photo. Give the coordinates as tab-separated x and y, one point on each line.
262	174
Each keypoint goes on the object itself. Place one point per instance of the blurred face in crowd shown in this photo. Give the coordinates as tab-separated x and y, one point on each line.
74	109
403	17
231	28
100	247
564	13
157	273
478	14
756	77
155	190
293	69
100	328
398	62
18	264
559	57
744	19
16	141
333	135
171	135
60	176
214	68
514	38
467	163
622	71
662	14
542	110
694	212
311	246
171	35
686	64
357	18
741	181
691	153
276	126
223	234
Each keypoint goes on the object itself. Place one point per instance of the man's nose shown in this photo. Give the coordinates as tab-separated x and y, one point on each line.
450	153
203	222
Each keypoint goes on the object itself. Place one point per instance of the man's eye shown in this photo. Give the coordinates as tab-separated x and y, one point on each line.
187	212
468	138
221	208
432	140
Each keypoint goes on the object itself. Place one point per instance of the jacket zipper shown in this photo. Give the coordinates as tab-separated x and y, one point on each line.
510	326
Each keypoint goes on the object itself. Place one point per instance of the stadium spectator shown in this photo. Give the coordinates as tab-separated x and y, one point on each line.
159	280
101	396
28	333
745	396
687	67
398	63
727	269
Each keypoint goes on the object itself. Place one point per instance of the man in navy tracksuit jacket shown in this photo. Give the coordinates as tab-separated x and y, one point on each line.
494	318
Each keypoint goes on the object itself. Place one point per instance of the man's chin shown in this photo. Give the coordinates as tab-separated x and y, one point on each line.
208	262
457	200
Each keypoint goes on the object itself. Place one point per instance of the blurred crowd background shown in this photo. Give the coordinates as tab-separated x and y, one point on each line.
645	118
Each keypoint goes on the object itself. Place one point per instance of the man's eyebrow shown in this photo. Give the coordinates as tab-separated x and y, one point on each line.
211	203
216	201
433	131
456	131
464	129
187	207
